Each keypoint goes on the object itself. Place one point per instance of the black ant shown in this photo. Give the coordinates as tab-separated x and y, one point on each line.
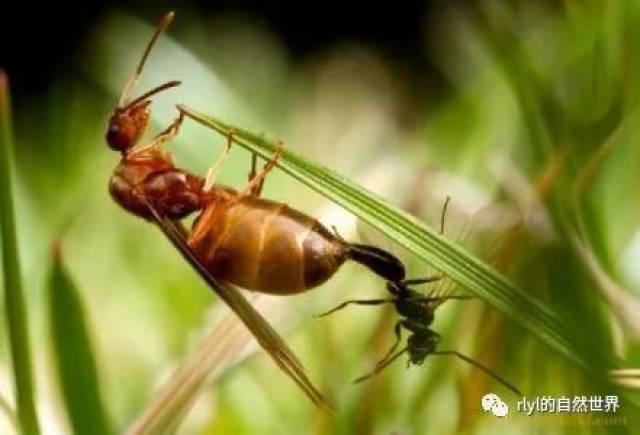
418	312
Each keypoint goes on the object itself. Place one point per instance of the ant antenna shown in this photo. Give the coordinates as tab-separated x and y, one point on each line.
444	214
162	25
160	88
481	367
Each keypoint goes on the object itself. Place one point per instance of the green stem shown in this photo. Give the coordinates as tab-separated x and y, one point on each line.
14	298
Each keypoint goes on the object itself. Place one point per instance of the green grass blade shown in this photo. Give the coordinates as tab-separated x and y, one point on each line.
14	298
469	271
77	370
8	412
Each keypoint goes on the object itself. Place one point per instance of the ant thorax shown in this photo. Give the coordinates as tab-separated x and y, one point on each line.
415	306
150	179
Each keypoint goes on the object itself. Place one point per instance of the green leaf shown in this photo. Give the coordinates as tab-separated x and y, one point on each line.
445	255
14	298
73	352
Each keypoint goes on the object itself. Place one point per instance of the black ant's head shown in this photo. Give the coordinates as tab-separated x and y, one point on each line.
126	126
420	346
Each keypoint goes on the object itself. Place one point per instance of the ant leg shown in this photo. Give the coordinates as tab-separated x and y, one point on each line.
418	281
442	299
170	132
381	366
257	181
357	302
256	190
481	367
212	173
163	137
398	332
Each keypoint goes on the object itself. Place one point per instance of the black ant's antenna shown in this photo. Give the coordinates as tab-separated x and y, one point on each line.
444	214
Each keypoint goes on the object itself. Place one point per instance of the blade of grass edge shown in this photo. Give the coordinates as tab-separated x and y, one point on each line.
7	410
73	352
14	298
445	255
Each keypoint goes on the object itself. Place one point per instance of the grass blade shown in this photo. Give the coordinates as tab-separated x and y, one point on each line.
445	255
77	370
226	341
14	298
7	410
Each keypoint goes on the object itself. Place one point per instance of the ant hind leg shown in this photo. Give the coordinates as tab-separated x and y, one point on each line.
380	366
482	367
212	173
398	332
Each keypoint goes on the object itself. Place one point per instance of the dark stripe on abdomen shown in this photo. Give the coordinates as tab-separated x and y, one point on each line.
323	255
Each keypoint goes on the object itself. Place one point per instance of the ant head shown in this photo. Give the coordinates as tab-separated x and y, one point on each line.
126	126
420	346
130	119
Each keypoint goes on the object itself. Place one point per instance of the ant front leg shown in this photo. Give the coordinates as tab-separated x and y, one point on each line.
212	173
398	332
166	135
442	299
357	302
257	180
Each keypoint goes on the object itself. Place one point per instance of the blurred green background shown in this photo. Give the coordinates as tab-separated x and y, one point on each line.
526	111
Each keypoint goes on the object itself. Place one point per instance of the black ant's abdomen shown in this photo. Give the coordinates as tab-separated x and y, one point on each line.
379	261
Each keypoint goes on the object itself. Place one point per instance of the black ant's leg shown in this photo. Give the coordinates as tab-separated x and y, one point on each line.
442	299
481	367
398	331
380	367
357	302
418	281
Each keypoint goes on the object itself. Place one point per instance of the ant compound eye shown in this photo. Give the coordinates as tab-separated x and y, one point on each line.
114	138
112	132
118	134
